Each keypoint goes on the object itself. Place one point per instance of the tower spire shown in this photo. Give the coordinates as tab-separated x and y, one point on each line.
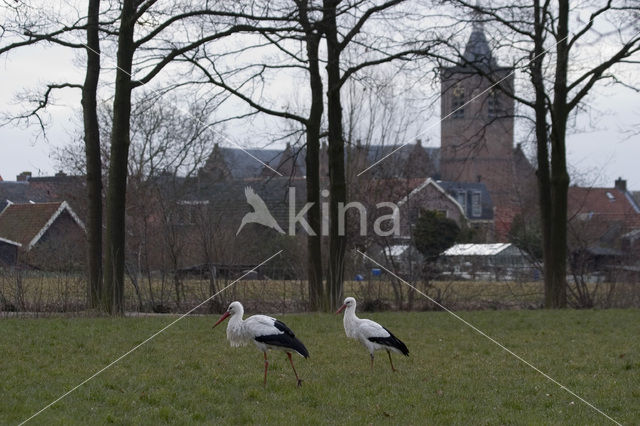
477	50
477	17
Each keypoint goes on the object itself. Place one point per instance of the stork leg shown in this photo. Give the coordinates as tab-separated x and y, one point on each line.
294	369
266	365
391	362
371	354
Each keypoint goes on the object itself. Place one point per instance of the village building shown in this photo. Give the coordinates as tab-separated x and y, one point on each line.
489	262
41	236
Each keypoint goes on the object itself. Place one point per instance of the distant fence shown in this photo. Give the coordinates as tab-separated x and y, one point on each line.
40	292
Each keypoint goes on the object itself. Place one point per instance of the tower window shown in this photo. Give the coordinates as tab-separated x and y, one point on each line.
493	103
457	102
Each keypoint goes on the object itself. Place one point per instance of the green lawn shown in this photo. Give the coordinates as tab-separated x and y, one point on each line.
189	374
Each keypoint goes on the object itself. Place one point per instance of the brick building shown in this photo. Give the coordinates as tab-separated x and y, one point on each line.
477	130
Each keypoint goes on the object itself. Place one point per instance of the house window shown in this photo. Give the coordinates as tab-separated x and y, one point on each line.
461	198
476	204
457	102
493	104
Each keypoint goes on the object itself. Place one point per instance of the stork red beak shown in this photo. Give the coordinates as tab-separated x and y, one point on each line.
222	318
342	308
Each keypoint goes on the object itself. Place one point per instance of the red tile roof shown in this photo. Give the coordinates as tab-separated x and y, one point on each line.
609	204
24	222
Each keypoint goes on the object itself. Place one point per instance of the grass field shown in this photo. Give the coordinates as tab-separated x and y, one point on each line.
190	375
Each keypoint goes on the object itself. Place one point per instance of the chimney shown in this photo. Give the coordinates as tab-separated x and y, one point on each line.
60	174
23	177
621	184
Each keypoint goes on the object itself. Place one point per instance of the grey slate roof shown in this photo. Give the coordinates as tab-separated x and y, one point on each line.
243	165
402	155
227	198
19	192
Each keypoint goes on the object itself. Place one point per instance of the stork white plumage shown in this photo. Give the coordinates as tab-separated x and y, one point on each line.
266	332
371	334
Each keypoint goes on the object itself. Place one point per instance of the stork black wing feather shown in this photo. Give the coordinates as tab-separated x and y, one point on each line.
286	339
392	341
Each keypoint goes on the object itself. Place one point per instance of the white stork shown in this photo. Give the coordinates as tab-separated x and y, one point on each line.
265	332
371	334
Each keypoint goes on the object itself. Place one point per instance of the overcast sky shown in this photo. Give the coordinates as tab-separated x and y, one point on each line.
600	149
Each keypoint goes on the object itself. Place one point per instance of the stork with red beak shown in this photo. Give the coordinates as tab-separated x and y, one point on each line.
265	332
371	334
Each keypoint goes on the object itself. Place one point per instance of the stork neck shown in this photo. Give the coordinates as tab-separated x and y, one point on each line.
236	319
351	309
350	312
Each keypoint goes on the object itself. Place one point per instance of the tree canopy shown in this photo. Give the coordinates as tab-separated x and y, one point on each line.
434	233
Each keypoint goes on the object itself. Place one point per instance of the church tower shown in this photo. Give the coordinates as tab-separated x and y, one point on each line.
477	119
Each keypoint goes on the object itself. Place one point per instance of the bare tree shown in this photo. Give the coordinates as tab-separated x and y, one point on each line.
348	25
302	26
157	47
169	144
32	25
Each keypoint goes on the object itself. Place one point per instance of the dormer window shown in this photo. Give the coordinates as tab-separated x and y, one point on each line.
461	198
476	204
610	196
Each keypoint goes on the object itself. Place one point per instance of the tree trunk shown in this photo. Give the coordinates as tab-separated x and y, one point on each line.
92	153
314	247
337	185
556	287
542	147
113	297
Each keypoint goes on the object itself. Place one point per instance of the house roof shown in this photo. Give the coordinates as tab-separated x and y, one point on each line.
632	235
13	243
476	249
243	164
395	160
604	251
19	192
396	249
430	182
229	199
451	190
27	223
609	204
